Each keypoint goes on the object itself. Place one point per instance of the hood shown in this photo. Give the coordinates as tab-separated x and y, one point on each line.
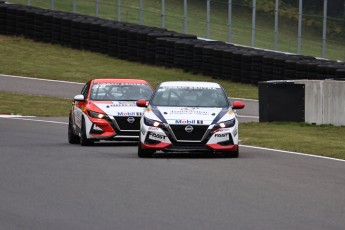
119	108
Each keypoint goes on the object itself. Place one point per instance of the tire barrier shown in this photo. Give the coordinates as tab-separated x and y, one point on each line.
157	46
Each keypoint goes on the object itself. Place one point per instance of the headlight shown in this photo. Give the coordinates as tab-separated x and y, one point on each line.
225	124
96	114
153	123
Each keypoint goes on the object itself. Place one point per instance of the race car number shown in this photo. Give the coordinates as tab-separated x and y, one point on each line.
156	137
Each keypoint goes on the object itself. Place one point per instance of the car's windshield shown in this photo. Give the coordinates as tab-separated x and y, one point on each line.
190	97
120	92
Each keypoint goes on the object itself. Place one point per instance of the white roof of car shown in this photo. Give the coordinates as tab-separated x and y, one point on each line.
190	83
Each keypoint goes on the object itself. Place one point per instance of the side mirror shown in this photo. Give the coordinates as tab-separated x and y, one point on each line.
79	97
238	105
142	103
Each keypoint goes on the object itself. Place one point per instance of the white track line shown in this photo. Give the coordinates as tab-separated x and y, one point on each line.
246	146
41	79
294	153
28	119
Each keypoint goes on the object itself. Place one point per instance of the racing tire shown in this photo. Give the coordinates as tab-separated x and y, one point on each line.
72	138
83	138
231	154
144	153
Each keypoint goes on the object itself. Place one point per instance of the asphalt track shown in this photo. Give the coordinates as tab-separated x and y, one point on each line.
46	183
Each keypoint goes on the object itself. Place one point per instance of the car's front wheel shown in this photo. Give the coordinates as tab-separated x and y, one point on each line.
83	138
72	138
232	154
144	153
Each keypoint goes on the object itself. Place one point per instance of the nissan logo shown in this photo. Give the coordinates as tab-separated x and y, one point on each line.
130	120
189	128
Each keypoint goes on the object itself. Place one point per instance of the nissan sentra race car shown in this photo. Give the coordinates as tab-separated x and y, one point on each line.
106	110
189	116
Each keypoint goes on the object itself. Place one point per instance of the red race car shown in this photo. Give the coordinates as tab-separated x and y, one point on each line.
106	110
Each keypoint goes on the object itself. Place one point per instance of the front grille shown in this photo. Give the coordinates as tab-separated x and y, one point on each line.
125	125
196	135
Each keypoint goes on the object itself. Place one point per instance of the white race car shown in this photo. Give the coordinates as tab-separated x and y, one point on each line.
186	116
106	110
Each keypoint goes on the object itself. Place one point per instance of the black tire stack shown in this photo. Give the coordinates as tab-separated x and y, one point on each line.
157	46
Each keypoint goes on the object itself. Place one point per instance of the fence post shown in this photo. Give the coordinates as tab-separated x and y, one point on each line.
185	16
324	30
208	10
253	23
276	28
300	11
97	3
118	10
163	14
229	20
141	12
52	4
74	6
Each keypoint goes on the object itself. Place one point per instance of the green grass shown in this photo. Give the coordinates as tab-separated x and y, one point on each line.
324	140
29	105
196	23
19	56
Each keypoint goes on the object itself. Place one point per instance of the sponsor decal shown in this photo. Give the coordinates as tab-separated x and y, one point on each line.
221	135
104	84
148	109
157	137
185	122
188	87
230	111
153	128
122	104
188	112
128	114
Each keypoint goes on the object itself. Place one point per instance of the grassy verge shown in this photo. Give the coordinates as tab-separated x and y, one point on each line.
324	140
29	105
19	56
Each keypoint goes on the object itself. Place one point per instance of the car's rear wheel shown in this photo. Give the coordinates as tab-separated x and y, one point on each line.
72	137
144	153
83	138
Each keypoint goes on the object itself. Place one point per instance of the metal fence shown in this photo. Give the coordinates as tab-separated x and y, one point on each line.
241	22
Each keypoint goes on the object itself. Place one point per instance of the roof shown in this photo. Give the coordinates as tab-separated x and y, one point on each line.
119	80
190	83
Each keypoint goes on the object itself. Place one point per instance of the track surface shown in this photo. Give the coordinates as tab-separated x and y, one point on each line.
46	183
49	184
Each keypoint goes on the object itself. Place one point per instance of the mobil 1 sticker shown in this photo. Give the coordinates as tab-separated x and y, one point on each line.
156	137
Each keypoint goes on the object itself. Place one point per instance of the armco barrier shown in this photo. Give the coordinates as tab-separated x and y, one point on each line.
159	46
